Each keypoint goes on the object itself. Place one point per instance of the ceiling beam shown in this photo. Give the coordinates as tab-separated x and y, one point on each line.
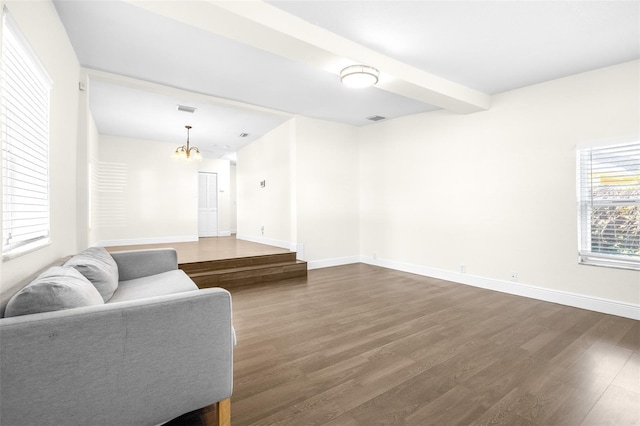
268	28
162	89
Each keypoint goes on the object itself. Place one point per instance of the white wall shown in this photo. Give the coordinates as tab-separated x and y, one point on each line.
40	24
233	206
495	190
160	197
158	203
327	188
310	201
267	159
87	154
93	143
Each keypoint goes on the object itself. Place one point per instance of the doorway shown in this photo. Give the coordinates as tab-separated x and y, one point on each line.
207	204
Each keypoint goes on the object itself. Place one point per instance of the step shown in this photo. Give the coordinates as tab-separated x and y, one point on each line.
246	275
223	264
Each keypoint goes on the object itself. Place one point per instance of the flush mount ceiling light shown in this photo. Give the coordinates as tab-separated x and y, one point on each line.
184	151
359	76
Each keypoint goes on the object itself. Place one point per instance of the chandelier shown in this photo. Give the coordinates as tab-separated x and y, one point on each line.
185	151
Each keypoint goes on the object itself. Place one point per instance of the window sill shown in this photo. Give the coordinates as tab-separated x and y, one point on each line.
18	252
606	262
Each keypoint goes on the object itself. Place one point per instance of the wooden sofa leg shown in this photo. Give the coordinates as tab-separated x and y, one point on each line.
218	414
224	412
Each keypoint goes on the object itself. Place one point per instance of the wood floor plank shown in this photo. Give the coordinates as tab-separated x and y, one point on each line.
602	361
512	371
457	406
543	399
577	405
631	340
505	411
616	407
629	377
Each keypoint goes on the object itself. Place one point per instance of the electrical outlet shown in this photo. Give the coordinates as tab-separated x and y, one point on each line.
463	268
375	256
514	276
262	229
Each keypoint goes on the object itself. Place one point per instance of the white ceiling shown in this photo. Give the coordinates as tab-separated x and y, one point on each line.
260	63
490	46
143	114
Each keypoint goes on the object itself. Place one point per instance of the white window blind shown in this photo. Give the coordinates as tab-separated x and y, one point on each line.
609	205
25	144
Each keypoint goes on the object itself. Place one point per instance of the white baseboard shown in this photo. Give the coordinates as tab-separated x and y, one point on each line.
153	240
224	234
327	263
597	304
264	240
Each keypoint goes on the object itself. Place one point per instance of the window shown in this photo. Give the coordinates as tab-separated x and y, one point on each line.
609	205
25	144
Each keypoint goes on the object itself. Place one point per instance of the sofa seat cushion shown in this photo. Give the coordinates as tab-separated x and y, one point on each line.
57	288
169	282
98	266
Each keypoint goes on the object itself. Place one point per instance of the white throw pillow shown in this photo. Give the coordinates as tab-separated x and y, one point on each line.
97	265
57	288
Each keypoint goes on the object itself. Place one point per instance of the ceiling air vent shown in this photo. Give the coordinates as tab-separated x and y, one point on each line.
376	118
244	135
185	108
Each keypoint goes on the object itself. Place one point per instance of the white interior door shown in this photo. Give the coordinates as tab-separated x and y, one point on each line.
207	204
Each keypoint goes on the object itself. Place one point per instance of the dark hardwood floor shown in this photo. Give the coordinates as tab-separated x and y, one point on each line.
362	345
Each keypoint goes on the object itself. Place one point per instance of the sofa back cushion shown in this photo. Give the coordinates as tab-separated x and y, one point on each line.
57	288
97	265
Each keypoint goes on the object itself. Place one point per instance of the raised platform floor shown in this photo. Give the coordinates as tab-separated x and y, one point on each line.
229	263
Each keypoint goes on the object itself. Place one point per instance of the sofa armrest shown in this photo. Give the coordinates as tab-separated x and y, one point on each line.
143	361
142	263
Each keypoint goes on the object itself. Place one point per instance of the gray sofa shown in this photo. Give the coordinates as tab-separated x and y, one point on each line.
155	348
